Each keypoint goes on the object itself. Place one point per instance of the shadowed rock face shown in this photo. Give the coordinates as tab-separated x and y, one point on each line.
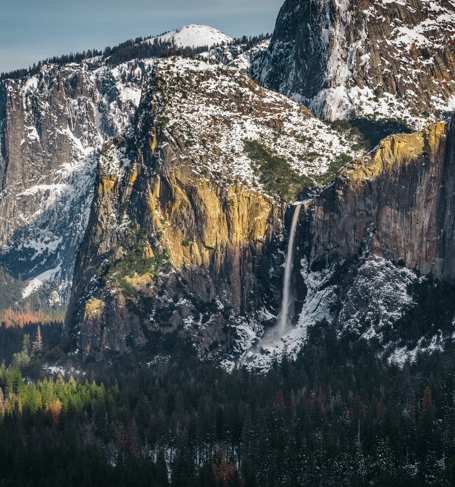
46	178
398	205
353	58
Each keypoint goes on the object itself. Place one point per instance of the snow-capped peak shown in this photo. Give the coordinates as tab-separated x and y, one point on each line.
196	36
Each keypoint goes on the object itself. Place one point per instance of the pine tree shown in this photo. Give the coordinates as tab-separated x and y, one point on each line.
37	345
161	470
22	358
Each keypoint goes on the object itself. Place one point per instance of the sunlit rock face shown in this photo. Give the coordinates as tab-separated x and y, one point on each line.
397	204
357	58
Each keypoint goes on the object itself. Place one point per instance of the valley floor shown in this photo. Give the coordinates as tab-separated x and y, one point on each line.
337	416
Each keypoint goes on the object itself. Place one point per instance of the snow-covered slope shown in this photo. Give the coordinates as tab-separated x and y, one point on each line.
52	126
219	112
195	36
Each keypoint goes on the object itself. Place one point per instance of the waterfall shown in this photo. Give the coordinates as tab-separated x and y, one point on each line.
284	313
277	332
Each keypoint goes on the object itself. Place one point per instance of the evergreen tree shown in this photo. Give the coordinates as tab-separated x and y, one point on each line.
37	345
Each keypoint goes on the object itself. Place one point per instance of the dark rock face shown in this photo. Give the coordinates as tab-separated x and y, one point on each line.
298	53
397	205
377	247
446	213
350	59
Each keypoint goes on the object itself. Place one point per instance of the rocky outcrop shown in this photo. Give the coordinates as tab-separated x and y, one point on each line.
397	205
351	59
52	126
188	212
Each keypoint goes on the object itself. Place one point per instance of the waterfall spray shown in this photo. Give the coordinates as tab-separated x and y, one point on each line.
284	313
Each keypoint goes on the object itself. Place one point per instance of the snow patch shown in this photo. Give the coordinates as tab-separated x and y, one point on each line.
403	355
38	282
195	36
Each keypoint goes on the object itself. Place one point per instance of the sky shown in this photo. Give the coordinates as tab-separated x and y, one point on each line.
31	30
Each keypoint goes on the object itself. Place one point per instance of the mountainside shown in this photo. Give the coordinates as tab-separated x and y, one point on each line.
188	211
52	126
230	262
160	190
186	236
369	58
53	122
375	252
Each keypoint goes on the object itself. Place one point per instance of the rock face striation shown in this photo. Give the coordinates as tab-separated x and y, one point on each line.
357	58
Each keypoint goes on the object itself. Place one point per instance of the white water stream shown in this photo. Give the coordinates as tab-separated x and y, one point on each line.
283	318
278	331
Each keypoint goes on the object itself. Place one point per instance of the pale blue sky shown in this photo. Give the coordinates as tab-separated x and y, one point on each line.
31	30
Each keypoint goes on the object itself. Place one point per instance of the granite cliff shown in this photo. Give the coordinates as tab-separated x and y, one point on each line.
187	216
365	58
375	253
